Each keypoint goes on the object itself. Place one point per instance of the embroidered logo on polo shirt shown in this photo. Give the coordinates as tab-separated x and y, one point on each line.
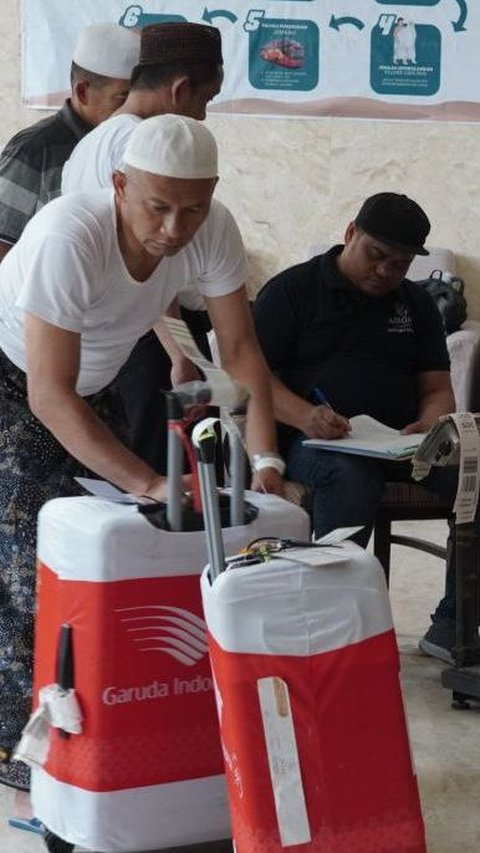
400	321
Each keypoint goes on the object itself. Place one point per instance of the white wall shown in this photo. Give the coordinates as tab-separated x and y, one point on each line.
291	183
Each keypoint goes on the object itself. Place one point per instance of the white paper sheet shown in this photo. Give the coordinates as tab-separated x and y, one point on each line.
369	437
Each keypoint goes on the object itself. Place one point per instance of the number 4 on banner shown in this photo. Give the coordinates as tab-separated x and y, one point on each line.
386	22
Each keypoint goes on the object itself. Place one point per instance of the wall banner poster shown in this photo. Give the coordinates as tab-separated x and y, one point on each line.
414	59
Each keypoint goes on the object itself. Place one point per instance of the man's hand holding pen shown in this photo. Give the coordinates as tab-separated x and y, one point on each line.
322	421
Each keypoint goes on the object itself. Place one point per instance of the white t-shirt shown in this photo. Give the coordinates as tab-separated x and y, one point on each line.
97	155
67	269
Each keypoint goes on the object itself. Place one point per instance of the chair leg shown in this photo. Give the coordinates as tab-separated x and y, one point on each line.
381	543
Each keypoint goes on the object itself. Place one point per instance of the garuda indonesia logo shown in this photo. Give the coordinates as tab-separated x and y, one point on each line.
168	630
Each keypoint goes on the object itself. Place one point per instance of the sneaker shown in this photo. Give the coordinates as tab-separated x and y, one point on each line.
439	640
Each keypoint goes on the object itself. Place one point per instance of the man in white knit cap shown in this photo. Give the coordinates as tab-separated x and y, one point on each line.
90	274
32	161
180	69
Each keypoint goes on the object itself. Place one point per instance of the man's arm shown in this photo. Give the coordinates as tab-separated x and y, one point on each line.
436	398
278	328
242	358
53	359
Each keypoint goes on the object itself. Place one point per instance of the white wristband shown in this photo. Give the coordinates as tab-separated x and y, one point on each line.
261	461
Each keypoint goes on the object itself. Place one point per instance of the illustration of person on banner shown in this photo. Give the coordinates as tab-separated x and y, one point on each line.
404	42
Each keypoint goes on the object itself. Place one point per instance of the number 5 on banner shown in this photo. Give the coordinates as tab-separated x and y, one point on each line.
253	20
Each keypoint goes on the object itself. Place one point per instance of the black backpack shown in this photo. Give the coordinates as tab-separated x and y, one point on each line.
446	291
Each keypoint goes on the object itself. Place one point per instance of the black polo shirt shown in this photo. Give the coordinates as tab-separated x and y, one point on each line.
365	352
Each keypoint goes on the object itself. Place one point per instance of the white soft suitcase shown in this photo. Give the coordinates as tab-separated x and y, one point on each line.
306	671
147	770
312	721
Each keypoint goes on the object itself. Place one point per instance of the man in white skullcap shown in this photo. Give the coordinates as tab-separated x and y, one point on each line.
31	163
90	274
180	69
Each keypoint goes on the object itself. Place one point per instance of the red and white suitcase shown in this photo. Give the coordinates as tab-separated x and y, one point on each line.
147	770
312	721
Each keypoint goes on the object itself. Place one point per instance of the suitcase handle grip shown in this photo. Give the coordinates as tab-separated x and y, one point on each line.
65	666
204	439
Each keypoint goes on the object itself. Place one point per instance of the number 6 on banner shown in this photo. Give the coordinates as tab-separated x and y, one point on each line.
132	16
253	20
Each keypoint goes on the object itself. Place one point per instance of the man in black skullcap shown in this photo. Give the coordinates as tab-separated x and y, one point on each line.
180	69
346	334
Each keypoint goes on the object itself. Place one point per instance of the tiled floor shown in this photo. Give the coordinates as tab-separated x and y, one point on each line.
445	742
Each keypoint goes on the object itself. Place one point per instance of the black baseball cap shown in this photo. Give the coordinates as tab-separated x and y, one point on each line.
396	220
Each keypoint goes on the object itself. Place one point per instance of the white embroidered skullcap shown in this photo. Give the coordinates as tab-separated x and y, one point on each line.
108	49
174	146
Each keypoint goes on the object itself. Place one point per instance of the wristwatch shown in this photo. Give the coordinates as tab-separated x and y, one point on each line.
268	459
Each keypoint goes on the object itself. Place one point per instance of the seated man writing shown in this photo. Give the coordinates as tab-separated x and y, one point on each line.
345	334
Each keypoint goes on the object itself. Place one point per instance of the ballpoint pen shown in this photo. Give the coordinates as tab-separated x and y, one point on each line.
320	398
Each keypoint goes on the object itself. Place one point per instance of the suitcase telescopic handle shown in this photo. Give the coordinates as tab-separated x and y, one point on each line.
204	440
238	459
175	414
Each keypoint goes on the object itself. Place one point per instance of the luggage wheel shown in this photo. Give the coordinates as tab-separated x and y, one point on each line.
55	844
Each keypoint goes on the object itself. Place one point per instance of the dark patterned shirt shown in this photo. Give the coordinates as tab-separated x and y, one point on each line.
31	168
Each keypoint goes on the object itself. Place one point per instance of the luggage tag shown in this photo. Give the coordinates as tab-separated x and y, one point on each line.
283	761
224	391
105	490
108	492
58	708
465	506
155	511
334	537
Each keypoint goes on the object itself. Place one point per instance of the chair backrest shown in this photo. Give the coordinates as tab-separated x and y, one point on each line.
438	259
464	352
